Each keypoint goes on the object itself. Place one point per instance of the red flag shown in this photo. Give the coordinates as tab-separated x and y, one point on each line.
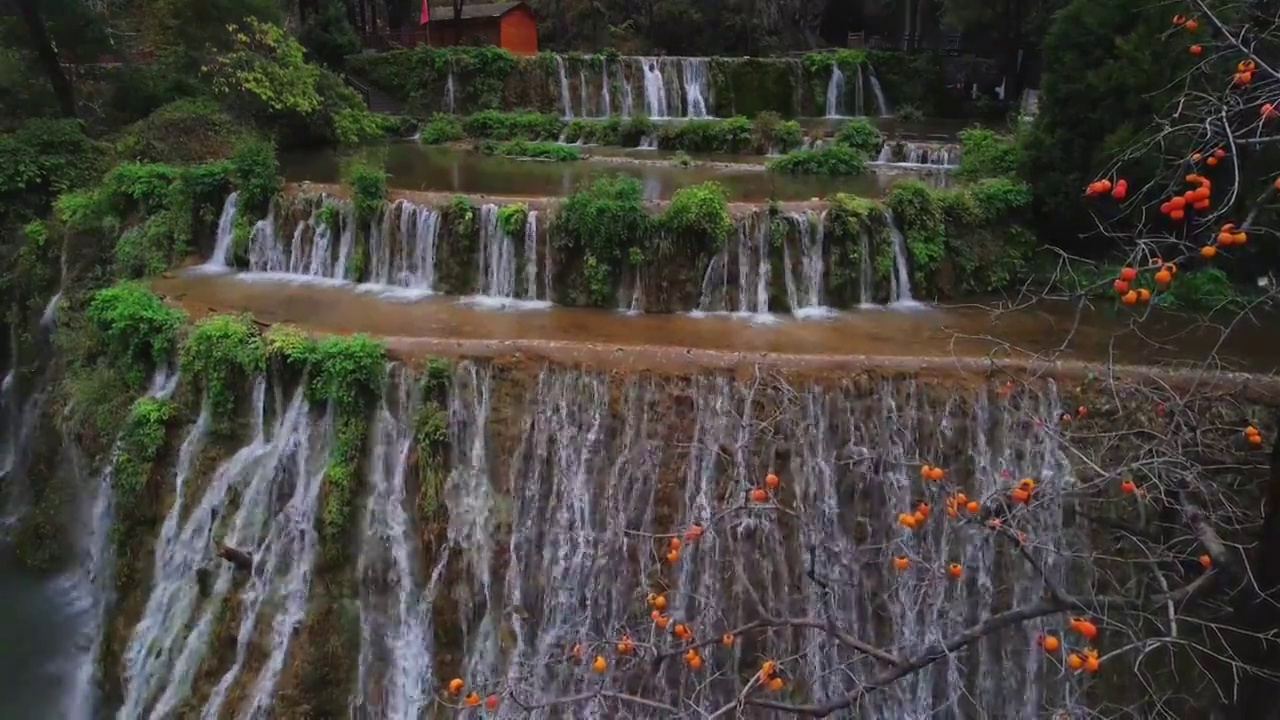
425	17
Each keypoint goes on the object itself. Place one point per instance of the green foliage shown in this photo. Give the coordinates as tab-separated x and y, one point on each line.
140	444
621	132
496	125
770	133
139	330
184	131
462	216
368	184
41	160
1094	49
698	217
432	437
732	135
355	125
555	152
511	218
330	216
327	35
341	479
416	76
266	65
290	346
977	228
441	129
861	136
221	352
848	60
987	154
908	114
829	160
604	221
255	171
347	371
1204	290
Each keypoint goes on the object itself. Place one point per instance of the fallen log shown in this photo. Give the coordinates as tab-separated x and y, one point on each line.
241	559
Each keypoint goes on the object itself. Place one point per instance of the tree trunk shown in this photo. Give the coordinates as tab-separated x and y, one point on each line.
241	559
43	45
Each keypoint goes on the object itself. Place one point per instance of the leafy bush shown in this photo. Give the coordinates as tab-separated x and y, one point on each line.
770	133
221	351
441	129
732	135
698	217
535	150
266	67
860	135
605	221
368	183
140	444
348	372
495	125
829	160
184	131
987	154
41	160
255	171
512	219
139	330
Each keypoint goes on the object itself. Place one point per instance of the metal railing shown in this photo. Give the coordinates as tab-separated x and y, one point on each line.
360	88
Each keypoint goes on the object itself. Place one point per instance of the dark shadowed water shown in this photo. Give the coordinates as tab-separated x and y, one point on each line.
38	631
412	166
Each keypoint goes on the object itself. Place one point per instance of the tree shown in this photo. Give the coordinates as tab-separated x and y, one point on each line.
48	54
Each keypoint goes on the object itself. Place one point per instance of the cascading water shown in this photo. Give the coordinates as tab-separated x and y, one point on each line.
530	250
804	293
222	239
606	108
695	74
900	279
835	92
395	661
566	107
275	481
625	84
750	254
583	92
882	103
450	101
655	89
496	278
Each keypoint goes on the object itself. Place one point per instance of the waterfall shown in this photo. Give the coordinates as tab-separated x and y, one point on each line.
881	103
835	92
804	294
450	102
591	463
90	587
655	90
866	275
694	72
266	253
226	224
859	103
395	662
750	255
583	91
496	276
626	91
606	108
419	232
174	634
565	106
530	251
900	278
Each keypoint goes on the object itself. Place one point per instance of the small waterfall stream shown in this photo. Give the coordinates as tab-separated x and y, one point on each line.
900	279
835	92
566	107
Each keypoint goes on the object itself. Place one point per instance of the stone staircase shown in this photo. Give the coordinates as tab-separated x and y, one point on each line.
374	99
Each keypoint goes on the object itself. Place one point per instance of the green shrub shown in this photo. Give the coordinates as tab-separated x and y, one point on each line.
222	352
183	131
604	221
368	184
512	219
139	330
140	443
496	125
861	136
441	129
769	132
255	171
698	217
829	160
987	154
552	151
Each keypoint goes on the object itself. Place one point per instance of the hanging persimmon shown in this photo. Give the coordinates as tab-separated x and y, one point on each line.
1246	66
491	703
1143	295
1276	183
955	570
936	473
1127	487
1267	111
1128	274
1196	50
1129	298
472	699
1084	627
972	507
599	665
758	495
693	533
1120	286
1074	661
1208	251
1019	495
922	509
727	640
1120	191
1050	643
1177	202
1179	19
673	556
673	544
1219	153
776	684
661	621
1206	561
455	686
625	646
907	520
1091	663
771	481
767	668
1192	25
901	563
681	631
1163	277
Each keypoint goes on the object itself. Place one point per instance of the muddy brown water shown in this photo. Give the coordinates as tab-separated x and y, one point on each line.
1048	332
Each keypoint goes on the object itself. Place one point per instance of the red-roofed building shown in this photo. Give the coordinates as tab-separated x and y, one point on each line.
508	25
